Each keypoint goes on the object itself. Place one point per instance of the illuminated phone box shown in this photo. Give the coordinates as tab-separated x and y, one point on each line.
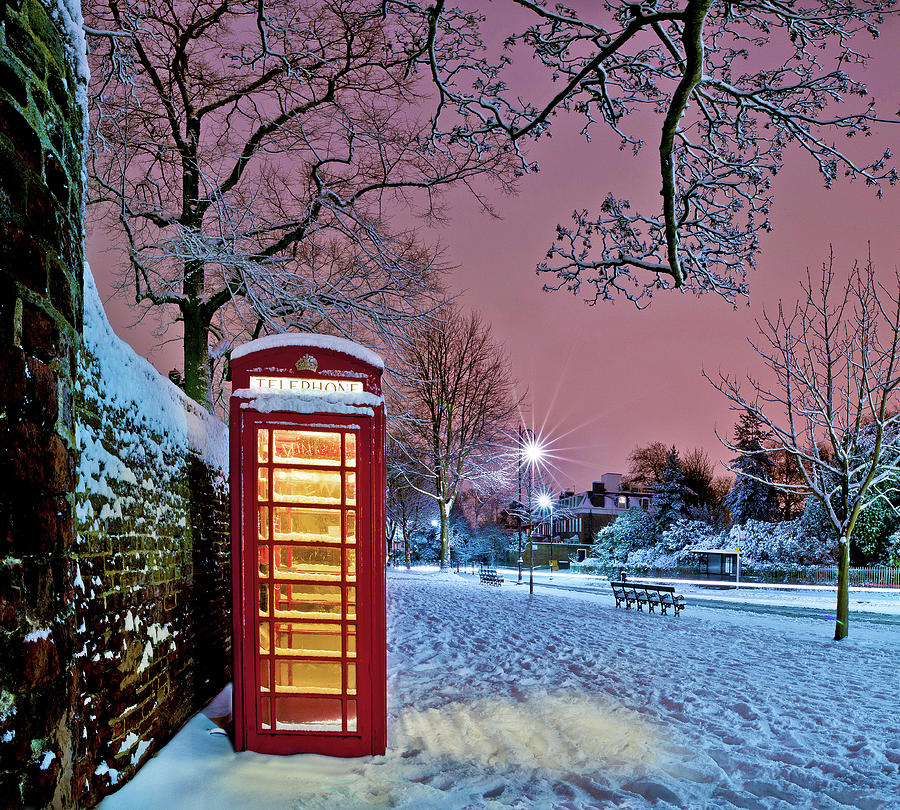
307	437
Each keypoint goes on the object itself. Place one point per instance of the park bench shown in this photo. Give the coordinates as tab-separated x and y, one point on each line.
489	576
640	594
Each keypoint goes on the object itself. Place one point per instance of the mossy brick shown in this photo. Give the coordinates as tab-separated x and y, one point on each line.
39	785
41	525
22	257
35	458
47	32
41	212
11	780
25	46
40	335
66	407
12	605
13	383
69	244
10	311
75	204
40	662
55	131
45	703
21	138
43	395
115	602
40	599
62	292
63	98
42	104
13	82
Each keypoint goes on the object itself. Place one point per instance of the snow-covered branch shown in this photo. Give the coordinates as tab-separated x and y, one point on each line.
735	83
253	154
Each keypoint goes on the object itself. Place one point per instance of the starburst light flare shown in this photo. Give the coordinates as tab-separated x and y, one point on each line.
533	450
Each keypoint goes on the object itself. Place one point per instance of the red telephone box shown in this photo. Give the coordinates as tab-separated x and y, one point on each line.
307	496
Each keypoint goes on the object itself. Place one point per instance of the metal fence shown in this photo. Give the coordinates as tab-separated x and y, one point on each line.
881	576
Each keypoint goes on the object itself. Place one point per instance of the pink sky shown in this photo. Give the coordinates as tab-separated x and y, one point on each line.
603	379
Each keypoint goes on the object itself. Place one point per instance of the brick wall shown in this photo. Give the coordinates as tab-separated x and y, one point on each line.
40	314
114	535
152	577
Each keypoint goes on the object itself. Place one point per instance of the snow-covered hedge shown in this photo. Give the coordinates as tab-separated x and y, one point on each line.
788	543
632	543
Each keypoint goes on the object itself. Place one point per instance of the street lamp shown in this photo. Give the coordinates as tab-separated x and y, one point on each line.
526	440
531	454
545	504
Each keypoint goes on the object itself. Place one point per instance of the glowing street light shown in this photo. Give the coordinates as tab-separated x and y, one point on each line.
545	504
532	451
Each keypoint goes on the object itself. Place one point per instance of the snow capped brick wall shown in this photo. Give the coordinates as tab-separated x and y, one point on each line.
152	596
114	592
42	80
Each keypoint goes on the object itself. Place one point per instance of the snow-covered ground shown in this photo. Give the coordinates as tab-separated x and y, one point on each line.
558	700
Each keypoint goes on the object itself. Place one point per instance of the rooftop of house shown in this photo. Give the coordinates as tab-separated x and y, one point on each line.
610	484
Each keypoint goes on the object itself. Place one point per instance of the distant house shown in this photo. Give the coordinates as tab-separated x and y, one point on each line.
577	517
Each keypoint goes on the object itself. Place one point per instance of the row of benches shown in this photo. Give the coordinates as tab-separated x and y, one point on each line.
640	594
627	593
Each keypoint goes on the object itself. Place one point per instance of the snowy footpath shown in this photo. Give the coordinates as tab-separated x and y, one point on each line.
558	700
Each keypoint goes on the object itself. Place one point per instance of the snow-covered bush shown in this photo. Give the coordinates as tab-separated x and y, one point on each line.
686	533
756	539
875	524
788	543
633	529
892	549
642	560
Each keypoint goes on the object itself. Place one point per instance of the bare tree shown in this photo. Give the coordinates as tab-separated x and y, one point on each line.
735	84
248	153
460	410
405	503
706	492
646	465
834	365
786	471
703	492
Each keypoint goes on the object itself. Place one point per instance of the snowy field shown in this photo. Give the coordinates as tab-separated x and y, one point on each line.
501	700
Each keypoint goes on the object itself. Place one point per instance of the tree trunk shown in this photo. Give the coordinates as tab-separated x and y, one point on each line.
843	591
406	548
196	360
390	543
445	535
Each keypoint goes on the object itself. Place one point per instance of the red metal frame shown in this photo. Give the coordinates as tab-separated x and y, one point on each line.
369	736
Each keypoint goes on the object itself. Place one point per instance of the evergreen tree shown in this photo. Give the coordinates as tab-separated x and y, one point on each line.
751	497
631	530
670	497
870	542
